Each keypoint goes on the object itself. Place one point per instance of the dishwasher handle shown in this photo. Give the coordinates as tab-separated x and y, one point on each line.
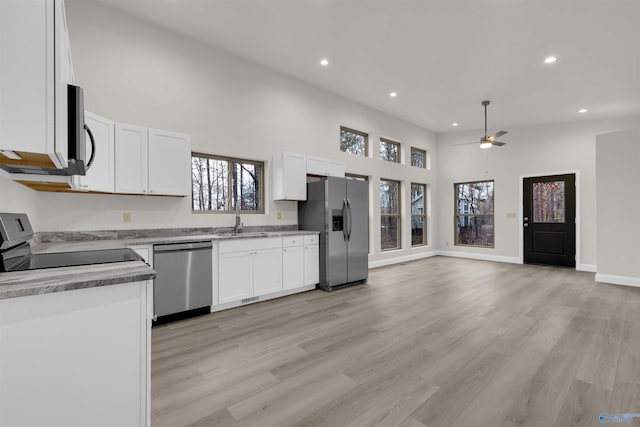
175	247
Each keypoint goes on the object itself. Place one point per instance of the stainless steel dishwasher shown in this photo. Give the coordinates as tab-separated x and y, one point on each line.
184	278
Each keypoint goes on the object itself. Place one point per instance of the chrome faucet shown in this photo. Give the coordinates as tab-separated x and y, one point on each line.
237	228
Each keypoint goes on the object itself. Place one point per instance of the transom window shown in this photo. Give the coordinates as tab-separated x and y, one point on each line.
418	214
219	182
353	141
389	214
418	158
389	150
474	214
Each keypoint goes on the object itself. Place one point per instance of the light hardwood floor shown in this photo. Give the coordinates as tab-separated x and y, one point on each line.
434	342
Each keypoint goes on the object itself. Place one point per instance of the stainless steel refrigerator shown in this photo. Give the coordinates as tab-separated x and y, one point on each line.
338	208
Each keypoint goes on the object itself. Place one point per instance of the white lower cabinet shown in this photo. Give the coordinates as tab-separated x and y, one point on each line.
77	357
311	264
267	271
273	266
248	268
292	262
235	276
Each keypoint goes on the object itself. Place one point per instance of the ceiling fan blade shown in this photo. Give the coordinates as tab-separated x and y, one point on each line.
465	143
496	135
498	143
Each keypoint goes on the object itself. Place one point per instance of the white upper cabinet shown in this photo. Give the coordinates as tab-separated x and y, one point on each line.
131	159
335	168
36	68
289	176
316	166
169	163
324	167
100	175
151	161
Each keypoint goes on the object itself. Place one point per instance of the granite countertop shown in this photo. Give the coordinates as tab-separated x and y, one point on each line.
49	280
88	245
35	282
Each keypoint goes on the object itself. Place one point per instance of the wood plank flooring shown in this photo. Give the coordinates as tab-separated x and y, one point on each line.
434	342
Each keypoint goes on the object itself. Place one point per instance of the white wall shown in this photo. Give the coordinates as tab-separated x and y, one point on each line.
16	198
135	72
529	150
618	205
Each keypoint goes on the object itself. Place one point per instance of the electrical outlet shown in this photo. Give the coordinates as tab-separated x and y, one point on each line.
279	215
126	216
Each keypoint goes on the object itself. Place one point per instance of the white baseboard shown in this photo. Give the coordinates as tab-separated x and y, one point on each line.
399	259
591	268
618	280
469	255
483	257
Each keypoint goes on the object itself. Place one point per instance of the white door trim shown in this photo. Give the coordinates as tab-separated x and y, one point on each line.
576	172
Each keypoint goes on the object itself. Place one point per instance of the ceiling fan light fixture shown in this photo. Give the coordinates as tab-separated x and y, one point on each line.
486	144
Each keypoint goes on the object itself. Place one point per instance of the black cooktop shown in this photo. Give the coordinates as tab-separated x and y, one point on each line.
72	259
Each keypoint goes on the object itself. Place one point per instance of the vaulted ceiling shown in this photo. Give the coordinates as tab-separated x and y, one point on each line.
441	57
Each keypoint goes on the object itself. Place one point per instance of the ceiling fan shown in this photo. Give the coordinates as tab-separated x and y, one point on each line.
487	141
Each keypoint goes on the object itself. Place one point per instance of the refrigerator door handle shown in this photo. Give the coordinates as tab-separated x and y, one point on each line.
349	222
344	219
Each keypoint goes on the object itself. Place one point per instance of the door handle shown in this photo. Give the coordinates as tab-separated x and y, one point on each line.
344	219
349	212
525	225
93	147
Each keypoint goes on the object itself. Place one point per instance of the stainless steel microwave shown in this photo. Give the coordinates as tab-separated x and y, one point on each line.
78	164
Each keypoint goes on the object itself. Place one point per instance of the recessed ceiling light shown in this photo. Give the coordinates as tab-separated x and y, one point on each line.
582	110
454	124
393	94
550	60
324	62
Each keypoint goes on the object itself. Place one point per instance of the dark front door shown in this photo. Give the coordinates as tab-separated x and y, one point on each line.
549	220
